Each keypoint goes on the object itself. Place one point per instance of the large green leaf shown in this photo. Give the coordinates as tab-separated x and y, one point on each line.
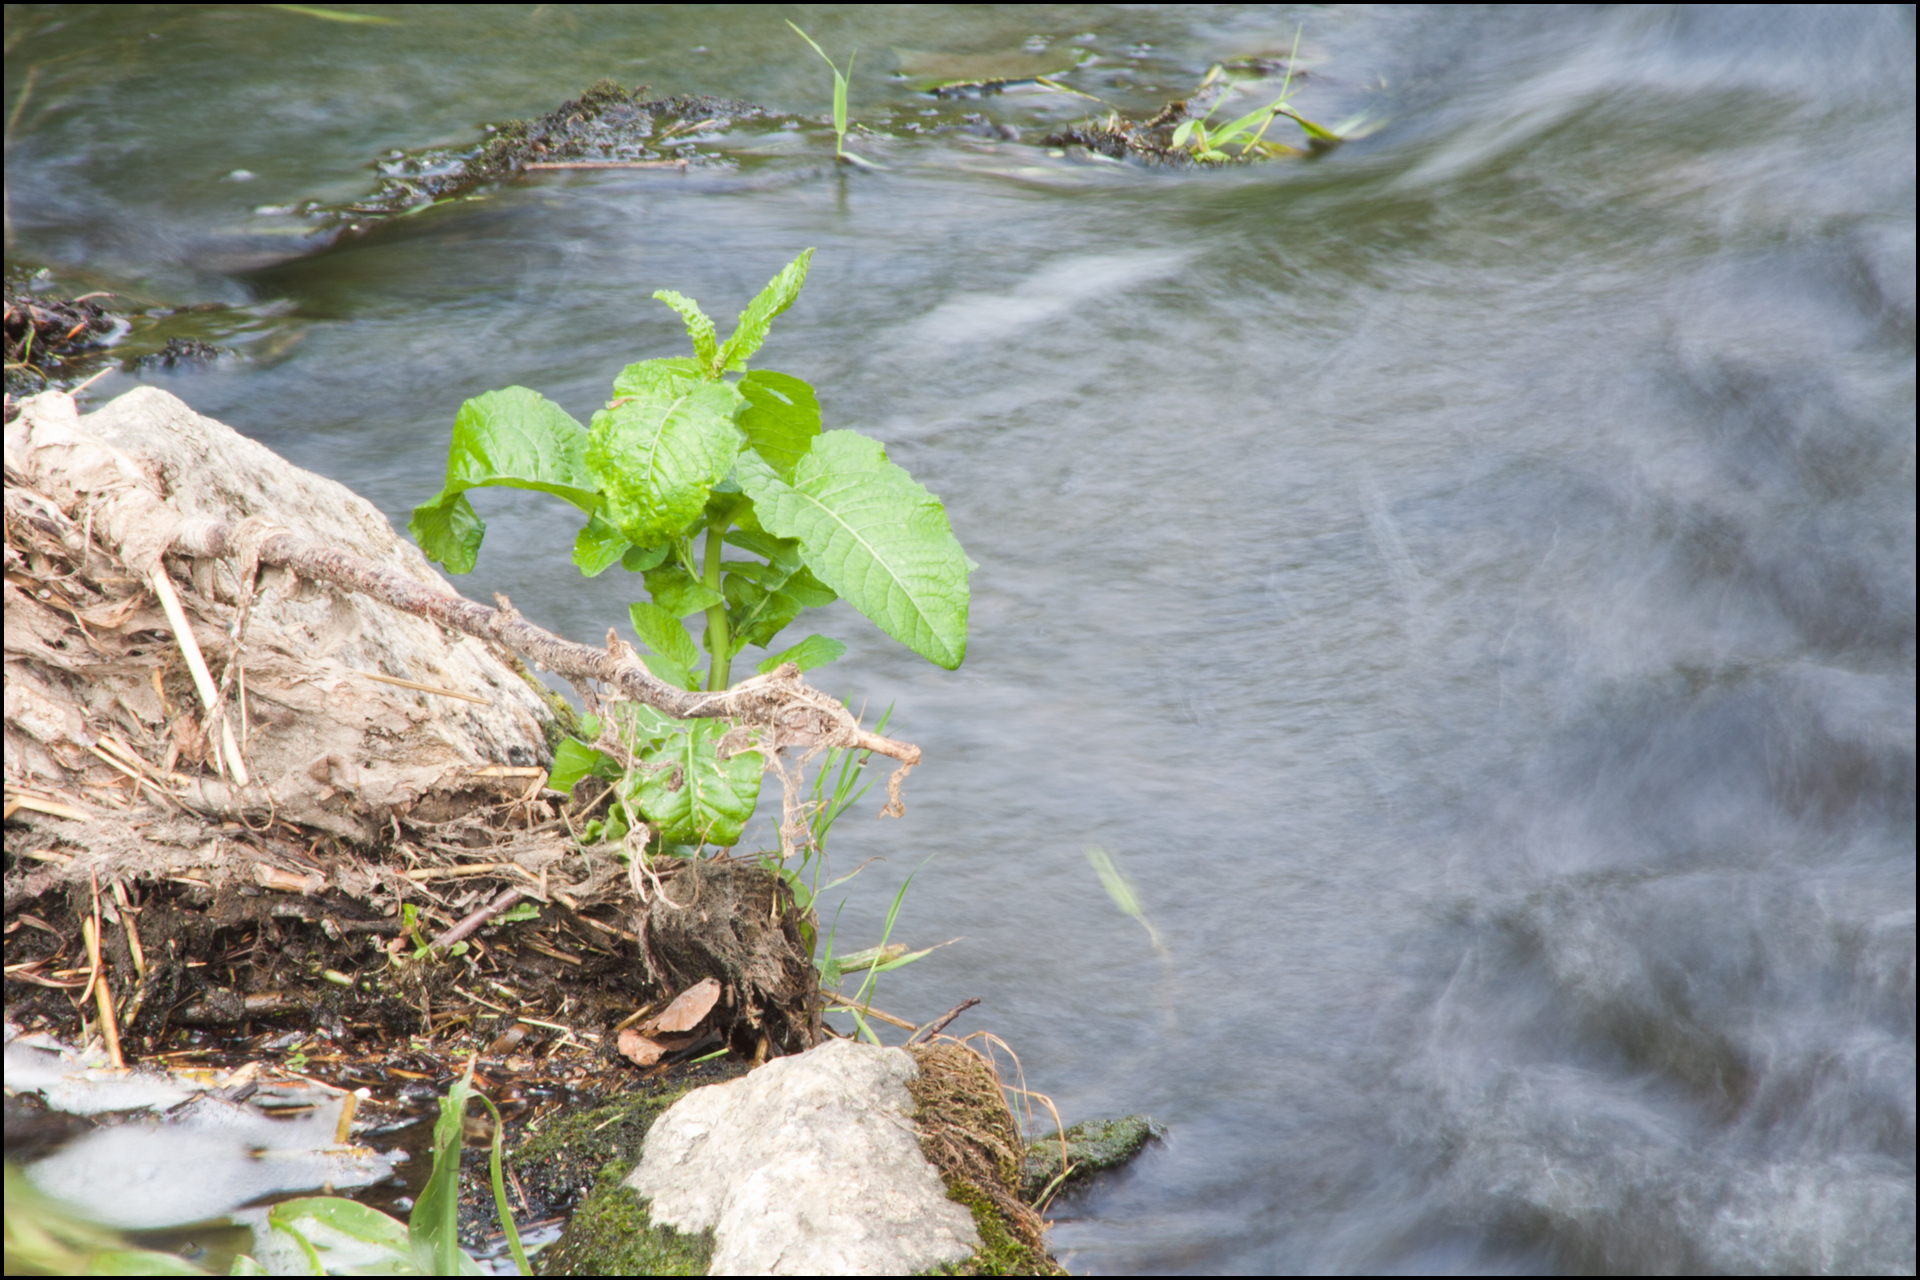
641	559
791	577
332	1231
449	530
661	630
873	535
656	453
513	437
679	592
715	797
756	319
781	418
754	614
574	760
598	546
763	598
814	651
669	376
699	327
670	671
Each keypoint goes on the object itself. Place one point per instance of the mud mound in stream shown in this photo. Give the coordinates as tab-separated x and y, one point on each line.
738	923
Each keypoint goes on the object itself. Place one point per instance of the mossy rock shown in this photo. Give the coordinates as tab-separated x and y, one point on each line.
1093	1146
969	1134
612	1234
580	1158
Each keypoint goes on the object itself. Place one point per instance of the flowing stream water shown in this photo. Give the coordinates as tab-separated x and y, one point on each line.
1466	581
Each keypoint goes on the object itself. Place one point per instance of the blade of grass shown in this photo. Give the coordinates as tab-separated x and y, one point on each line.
334	15
864	998
434	1224
840	96
507	1227
1285	87
839	91
1121	891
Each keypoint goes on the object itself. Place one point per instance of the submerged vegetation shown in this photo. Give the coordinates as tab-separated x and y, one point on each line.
1184	133
609	127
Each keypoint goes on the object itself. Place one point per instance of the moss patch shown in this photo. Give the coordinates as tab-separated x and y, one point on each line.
969	1134
1093	1146
612	1234
569	1156
574	1164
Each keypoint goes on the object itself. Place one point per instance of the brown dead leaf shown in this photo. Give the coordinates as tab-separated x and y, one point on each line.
689	1007
185	732
640	1050
647	1050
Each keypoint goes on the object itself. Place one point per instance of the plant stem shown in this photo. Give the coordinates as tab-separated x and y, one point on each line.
719	636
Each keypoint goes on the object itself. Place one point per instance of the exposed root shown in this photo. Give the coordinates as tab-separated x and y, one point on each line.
736	922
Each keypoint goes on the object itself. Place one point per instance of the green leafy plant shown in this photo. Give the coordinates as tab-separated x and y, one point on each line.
839	92
328	1234
423	949
715	484
333	1232
1210	144
45	1237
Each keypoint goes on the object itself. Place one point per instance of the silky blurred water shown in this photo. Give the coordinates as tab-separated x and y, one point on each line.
1466	581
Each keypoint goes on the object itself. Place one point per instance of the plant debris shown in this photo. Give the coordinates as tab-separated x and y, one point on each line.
1163	138
606	127
53	341
969	1133
180	351
1149	141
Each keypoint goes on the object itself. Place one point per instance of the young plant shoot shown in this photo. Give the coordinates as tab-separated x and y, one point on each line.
839	93
714	484
1210	144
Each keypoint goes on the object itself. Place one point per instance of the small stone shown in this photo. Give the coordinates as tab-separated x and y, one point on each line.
809	1166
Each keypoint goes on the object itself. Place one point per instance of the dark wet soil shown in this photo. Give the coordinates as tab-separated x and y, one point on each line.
319	985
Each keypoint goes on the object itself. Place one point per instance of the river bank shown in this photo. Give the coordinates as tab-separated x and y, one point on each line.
307	856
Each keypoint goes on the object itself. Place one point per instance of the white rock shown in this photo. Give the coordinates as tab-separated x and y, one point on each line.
808	1166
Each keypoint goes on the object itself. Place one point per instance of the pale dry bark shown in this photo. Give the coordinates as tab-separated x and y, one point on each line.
147	493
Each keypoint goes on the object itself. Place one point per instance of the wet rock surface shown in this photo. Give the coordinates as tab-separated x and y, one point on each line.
1092	1147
